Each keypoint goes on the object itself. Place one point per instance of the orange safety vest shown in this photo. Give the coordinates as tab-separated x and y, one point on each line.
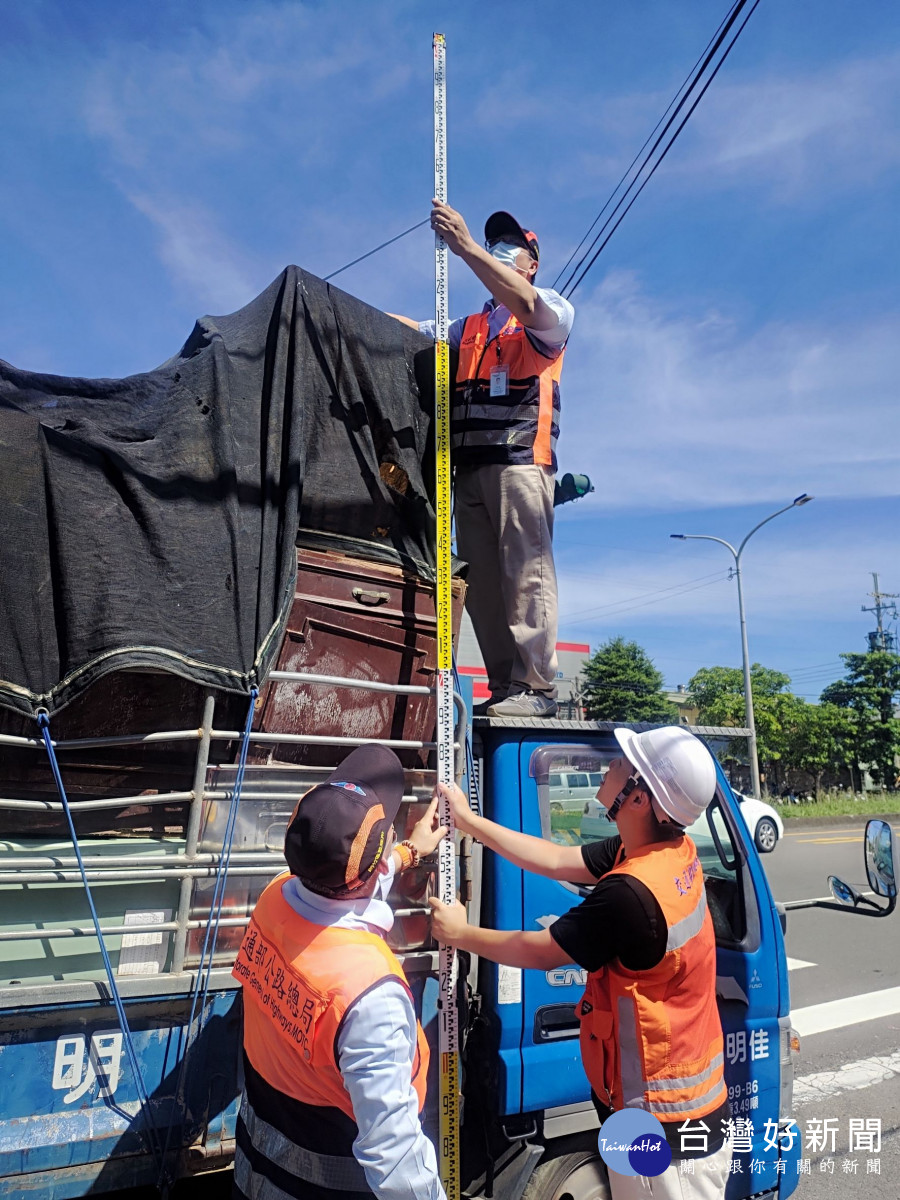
523	425
298	980
653	1039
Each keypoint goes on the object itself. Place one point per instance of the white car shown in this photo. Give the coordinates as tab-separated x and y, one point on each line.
763	822
569	788
595	825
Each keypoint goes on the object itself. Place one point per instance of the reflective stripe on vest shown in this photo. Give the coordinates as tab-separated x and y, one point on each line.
521	427
298	980
323	1170
653	1039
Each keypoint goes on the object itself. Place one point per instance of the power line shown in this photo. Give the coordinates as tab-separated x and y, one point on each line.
612	194
572	282
691	81
640	596
646	603
369	253
792	671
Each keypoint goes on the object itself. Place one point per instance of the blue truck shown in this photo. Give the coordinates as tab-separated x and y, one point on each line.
88	1106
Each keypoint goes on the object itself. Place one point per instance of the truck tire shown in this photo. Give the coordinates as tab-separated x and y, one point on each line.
577	1176
766	835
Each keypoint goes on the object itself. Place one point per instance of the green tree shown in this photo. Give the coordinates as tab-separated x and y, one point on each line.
622	684
816	738
869	692
714	686
718	693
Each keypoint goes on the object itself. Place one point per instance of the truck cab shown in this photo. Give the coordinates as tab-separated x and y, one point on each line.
539	1091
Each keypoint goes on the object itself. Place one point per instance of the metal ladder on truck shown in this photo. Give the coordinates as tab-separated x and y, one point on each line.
59	1033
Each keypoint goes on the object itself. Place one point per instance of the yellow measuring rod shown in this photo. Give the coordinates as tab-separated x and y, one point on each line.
448	1022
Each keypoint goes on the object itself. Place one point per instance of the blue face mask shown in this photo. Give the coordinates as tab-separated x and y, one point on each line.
504	253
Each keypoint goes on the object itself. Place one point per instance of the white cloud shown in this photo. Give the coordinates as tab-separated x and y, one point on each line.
199	258
668	409
834	129
280	96
802	596
795	138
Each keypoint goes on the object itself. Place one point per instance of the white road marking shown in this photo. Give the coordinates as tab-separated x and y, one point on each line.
837	1014
850	1077
797	964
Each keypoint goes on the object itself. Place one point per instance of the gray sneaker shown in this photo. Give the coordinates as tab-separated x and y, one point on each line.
524	704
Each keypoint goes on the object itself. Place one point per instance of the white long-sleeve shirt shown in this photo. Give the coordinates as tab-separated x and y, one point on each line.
376	1047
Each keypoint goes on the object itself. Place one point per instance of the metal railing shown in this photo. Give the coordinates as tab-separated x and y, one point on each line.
194	859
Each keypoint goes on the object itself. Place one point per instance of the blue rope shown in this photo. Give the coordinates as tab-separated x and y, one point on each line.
212	929
200	990
43	719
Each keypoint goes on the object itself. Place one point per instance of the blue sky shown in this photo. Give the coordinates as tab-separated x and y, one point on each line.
735	345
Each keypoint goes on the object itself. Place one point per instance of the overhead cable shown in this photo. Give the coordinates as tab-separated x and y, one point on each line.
581	269
612	194
673	587
618	611
369	253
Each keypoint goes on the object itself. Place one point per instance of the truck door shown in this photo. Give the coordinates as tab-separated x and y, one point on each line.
751	964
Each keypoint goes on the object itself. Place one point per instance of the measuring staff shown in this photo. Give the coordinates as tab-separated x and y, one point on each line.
335	1062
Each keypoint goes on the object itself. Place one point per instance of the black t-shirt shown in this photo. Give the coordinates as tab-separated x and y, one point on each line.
622	919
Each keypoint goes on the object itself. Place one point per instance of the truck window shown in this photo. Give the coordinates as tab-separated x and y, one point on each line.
568	778
721	872
572	816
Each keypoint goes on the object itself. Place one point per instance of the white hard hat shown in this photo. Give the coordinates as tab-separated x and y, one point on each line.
676	766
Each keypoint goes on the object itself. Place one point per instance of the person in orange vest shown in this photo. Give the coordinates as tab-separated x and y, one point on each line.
335	1061
651	1036
504	428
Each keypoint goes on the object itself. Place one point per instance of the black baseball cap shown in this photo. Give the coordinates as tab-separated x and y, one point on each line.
340	830
504	224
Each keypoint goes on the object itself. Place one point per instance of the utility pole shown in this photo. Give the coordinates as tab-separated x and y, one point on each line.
753	753
881	639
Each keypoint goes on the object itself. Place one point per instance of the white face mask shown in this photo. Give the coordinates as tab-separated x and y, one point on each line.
505	253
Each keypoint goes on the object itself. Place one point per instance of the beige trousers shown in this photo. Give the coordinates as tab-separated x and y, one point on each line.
708	1181
504	530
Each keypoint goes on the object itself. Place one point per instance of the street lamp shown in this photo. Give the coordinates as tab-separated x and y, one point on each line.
736	554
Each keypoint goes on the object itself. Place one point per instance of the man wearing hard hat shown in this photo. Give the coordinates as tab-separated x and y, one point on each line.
650	1032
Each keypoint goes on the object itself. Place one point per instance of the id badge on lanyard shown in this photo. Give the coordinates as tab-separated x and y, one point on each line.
500	380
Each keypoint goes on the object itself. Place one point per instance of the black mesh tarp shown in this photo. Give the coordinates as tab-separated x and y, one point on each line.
151	521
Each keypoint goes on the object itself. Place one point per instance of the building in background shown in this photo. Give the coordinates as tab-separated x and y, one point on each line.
570	675
688	712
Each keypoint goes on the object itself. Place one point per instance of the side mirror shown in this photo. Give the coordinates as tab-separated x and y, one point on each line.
843	892
881	864
880	853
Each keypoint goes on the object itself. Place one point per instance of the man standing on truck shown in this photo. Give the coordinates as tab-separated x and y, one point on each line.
651	1036
335	1061
504	427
